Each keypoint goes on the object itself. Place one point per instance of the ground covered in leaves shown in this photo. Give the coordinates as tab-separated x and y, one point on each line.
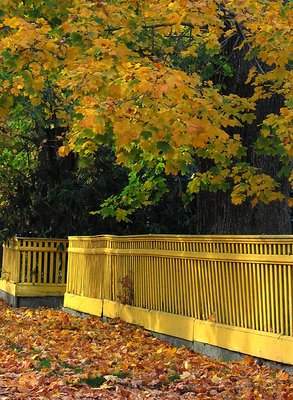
48	354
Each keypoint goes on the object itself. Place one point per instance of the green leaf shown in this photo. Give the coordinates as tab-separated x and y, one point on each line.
95	381
163	146
227	70
146	135
76	38
27	76
105	212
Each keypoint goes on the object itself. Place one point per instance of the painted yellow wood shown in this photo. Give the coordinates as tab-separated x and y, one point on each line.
36	261
34	270
56	267
39	290
40	267
272	299
51	267
259	296
189	277
253	296
157	321
31	290
286	303
258	258
10	270
45	263
28	275
277	299
247	290
248	295
162	241
268	299
290	300
83	304
219	289
231	280
259	344
8	287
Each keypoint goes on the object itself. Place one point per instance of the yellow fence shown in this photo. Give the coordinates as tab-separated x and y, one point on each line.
240	283
34	267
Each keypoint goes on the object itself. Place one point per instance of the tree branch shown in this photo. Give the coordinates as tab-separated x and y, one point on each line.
242	35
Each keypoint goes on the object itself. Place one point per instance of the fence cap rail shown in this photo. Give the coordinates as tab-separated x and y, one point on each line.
16	243
187	237
38	239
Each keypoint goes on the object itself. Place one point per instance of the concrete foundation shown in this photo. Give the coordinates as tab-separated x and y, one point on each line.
32	302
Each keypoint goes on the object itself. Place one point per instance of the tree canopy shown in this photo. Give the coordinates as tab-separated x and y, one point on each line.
152	81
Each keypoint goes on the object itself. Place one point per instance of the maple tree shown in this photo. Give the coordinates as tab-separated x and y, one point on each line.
47	353
158	82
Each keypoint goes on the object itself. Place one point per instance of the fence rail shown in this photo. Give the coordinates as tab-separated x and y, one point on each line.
241	281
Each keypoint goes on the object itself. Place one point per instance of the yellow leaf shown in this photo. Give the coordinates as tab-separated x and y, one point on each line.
63	151
171	168
12	22
121	215
36	101
290	202
171	351
254	201
194	185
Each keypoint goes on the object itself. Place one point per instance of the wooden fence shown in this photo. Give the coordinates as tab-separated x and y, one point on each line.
234	292
34	267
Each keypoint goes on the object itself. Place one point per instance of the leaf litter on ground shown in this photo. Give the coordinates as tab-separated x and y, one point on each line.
50	354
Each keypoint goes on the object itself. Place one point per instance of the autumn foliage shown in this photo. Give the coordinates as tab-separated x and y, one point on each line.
148	79
49	354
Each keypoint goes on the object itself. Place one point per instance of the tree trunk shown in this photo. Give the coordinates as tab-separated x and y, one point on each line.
215	213
217	216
